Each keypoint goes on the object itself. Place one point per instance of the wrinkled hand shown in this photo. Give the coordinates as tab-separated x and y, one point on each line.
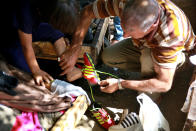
41	77
109	85
68	60
34	98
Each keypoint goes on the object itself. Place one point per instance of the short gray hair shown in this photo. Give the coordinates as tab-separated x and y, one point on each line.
140	13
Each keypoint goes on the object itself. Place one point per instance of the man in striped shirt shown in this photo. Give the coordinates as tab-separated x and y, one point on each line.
160	34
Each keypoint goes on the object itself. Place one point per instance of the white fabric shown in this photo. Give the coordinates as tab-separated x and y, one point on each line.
63	88
193	59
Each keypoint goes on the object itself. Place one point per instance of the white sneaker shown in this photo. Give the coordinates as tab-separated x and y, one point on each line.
130	123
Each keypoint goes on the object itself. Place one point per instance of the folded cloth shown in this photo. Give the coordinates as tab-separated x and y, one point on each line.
63	88
27	121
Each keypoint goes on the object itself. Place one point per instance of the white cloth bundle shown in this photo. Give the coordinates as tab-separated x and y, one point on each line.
63	88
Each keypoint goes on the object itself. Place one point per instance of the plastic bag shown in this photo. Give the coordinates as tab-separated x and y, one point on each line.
150	116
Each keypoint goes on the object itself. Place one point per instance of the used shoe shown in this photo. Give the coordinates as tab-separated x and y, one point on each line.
89	71
101	116
130	123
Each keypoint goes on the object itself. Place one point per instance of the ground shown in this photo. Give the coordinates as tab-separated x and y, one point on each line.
170	105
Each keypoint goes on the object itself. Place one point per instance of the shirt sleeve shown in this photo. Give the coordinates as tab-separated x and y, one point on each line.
45	32
24	20
167	57
106	8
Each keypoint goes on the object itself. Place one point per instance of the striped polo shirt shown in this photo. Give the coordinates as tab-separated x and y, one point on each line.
174	33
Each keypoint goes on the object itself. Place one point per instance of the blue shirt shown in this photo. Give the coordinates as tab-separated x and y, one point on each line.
25	17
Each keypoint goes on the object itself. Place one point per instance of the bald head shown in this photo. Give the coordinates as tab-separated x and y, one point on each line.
140	13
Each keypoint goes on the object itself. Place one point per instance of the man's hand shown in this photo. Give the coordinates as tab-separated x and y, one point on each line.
41	77
109	85
68	59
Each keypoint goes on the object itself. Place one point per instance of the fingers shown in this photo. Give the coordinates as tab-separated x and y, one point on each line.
103	83
61	58
63	65
42	79
39	80
50	78
67	70
109	85
66	67
108	89
47	78
67	63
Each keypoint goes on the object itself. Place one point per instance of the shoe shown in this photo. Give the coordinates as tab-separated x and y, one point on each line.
124	114
130	123
101	115
89	71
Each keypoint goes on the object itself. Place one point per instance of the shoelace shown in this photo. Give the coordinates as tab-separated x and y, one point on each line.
87	70
90	71
98	116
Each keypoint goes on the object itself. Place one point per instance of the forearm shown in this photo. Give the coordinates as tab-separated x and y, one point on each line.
60	46
162	82
150	85
26	42
31	59
85	21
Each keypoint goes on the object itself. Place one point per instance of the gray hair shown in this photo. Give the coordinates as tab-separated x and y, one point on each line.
140	13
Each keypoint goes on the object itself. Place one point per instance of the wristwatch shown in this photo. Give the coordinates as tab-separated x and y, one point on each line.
119	84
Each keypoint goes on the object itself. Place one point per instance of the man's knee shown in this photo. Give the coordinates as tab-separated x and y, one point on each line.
147	67
105	56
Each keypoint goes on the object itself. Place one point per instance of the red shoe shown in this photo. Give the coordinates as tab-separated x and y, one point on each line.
89	71
101	116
